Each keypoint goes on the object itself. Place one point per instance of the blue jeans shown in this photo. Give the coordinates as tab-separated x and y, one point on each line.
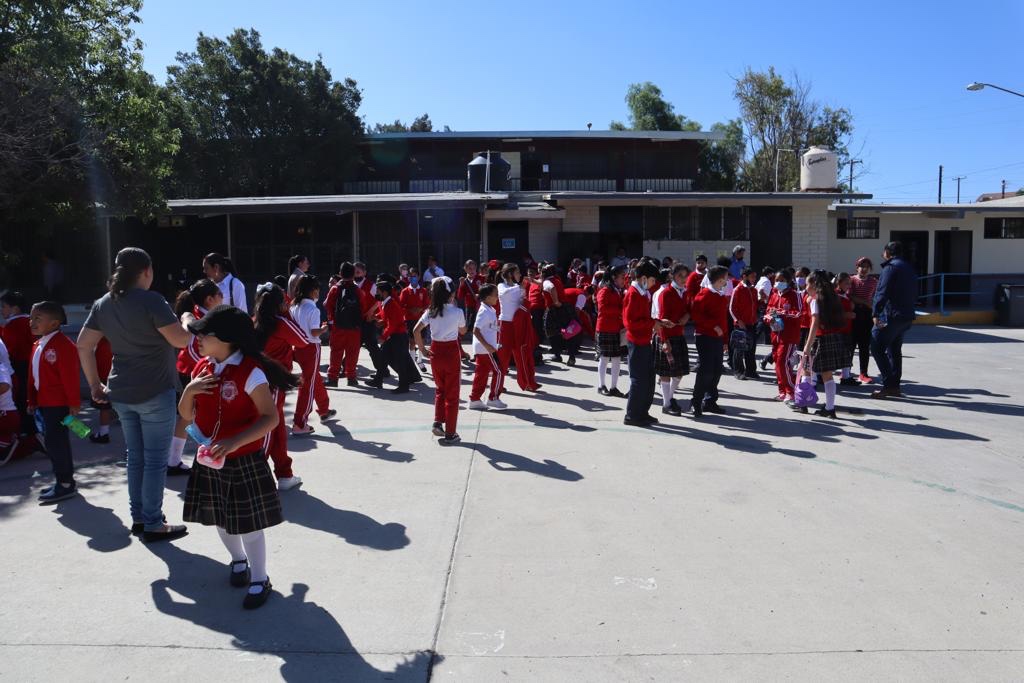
887	350
148	428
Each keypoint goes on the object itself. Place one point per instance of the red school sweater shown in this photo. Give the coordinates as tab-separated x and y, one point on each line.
609	310
710	309
227	404
636	317
58	375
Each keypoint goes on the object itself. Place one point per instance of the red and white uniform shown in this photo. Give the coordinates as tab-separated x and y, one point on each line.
414	301
743	305
609	310
345	341
445	359
18	338
636	315
229	410
670	303
578	298
307	318
787	305
281	346
709	310
693	282
487	365
392	315
468	290
53	373
516	335
189	356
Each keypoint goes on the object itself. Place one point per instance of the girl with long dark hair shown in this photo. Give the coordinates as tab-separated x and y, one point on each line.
517	333
307	316
826	343
447	325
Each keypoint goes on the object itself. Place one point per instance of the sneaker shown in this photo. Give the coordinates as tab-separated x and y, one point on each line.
328	415
285	483
849	382
437	429
331	383
782	396
740	376
790	402
645	421
242	577
170	532
477	405
179	470
58	493
864	379
450	439
376	382
353	382
301	431
821	412
886	393
675	404
255	600
7	452
99	438
497	404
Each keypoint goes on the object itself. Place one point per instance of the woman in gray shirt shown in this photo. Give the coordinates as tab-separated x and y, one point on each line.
143	333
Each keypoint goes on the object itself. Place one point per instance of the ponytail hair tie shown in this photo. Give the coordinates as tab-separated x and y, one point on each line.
265	287
447	282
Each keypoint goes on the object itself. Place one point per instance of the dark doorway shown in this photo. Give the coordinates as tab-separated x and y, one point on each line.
508	241
534	173
597	245
771	237
915	247
953	254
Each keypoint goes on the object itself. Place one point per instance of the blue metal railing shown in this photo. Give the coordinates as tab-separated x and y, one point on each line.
926	283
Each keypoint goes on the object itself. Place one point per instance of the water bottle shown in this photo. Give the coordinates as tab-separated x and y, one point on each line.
77	427
197	435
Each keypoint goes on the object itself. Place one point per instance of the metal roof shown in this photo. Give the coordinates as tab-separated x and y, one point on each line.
699	196
528	135
325	203
947	209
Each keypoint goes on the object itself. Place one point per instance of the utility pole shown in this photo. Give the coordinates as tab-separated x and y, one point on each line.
940	183
1004	190
958	179
852	162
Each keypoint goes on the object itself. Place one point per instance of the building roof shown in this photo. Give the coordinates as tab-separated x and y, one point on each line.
634	197
337	203
993	196
528	135
1009	205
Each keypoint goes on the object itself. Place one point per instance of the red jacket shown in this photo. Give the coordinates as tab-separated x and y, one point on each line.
671	306
414	301
709	310
104	359
18	338
58	375
636	317
549	301
189	356
535	297
693	281
393	316
609	310
786	305
228	404
283	341
847	304
468	290
743	304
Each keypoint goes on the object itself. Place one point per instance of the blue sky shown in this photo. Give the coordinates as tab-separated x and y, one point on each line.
900	67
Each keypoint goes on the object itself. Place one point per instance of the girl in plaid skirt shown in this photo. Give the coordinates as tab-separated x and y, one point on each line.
230	406
826	341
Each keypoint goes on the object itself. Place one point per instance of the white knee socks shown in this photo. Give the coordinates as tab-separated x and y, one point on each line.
830	394
616	364
675	383
233	543
177	448
602	367
666	394
252	547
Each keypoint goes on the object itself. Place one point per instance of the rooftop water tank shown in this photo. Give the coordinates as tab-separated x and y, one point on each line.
819	170
476	173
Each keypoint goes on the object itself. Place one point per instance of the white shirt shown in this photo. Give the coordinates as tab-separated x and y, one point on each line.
438	271
307	316
511	298
620	261
643	290
656	304
764	286
256	377
5	358
6	373
234	292
446	326
487	323
37	356
293	282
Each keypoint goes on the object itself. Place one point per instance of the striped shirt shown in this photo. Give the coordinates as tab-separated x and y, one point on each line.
864	289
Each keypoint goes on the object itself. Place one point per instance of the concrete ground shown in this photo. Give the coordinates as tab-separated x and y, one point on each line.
557	544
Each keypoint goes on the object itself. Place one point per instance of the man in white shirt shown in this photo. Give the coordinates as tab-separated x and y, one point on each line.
431	271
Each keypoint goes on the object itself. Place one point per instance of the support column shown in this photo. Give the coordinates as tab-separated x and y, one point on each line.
355	236
483	236
230	253
108	257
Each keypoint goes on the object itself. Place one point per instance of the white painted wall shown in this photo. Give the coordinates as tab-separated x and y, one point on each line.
543	237
686	251
581	218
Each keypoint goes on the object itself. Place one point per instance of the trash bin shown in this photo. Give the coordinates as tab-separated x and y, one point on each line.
1010	305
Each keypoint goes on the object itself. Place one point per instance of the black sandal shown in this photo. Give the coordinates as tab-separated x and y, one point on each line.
254	600
243	578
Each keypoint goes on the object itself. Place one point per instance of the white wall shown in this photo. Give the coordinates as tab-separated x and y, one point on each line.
686	251
810	242
543	238
581	218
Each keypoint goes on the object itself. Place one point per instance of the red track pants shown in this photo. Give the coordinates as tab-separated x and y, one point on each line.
275	444
783	373
516	339
344	352
445	359
487	367
312	388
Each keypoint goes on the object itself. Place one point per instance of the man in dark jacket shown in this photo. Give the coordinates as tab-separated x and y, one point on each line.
893	313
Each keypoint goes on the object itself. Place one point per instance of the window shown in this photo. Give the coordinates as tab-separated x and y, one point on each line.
682	222
1004	228
656	223
734	224
709	226
857	228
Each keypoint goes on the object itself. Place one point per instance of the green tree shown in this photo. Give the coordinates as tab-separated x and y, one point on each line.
649	110
779	115
83	124
421	124
256	122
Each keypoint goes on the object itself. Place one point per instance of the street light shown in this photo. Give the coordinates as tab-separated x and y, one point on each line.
976	86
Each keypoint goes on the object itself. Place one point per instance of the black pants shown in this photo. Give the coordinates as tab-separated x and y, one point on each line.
537	317
641	380
745	362
28	422
862	325
709	355
396	353
58	443
380	364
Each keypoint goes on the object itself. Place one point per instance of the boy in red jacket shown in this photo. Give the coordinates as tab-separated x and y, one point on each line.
53	392
743	311
709	314
640	328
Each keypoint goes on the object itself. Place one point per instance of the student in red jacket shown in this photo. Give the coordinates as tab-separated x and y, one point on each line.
694	279
825	348
104	361
447	324
611	347
535	304
54	393
18	338
469	288
784	307
743	313
843	282
640	328
345	306
306	316
671	355
710	320
395	338
414	300
516	335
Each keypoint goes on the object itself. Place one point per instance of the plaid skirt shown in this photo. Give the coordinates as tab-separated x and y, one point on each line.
240	498
608	345
680	363
830	353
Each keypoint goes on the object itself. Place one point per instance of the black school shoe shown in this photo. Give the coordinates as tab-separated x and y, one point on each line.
139	527
57	493
602	390
171	532
571	362
645	421
849	382
99	438
616	393
243	578
255	600
376	383
672	409
179	470
328	415
437	429
331	383
696	409
353	382
714	408
450	439
821	412
401	389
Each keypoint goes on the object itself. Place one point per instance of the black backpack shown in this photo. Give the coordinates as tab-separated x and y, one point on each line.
348	313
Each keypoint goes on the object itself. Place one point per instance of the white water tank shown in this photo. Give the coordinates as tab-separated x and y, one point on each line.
819	170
